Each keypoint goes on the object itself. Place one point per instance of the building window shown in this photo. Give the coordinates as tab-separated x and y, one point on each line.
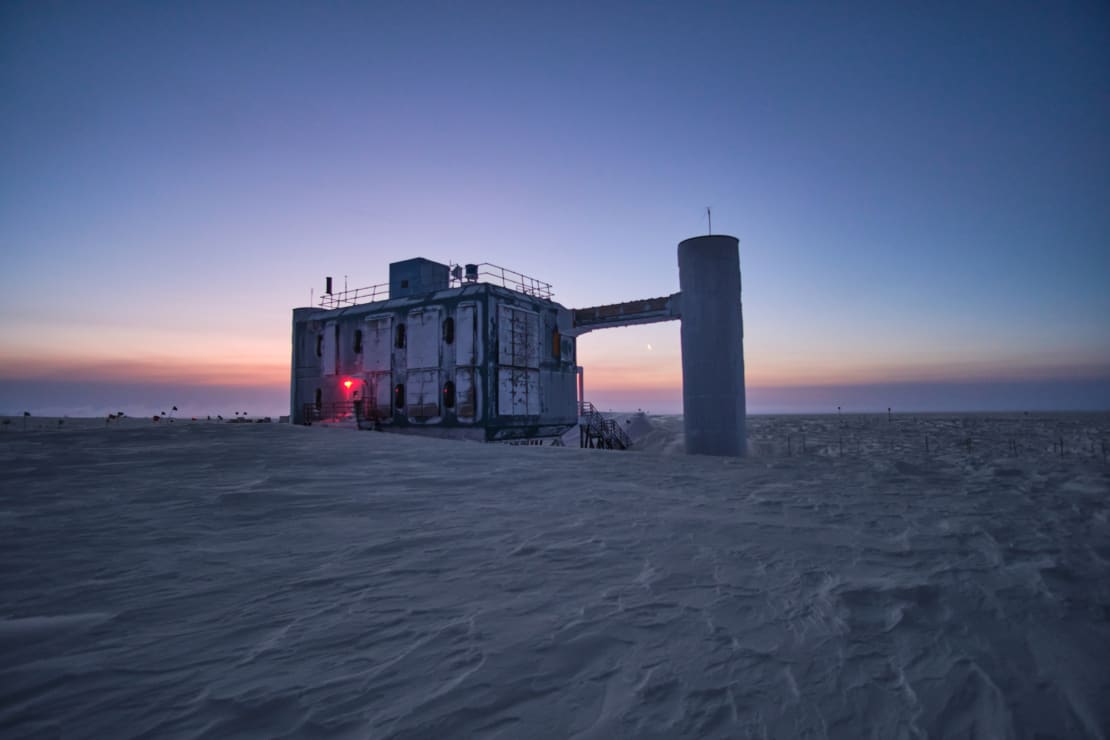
319	345
449	395
319	399
399	396
399	340
358	341
556	344
448	330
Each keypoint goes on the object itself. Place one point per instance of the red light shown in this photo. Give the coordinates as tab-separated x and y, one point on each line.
347	384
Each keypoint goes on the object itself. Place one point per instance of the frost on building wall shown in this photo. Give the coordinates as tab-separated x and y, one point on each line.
518	361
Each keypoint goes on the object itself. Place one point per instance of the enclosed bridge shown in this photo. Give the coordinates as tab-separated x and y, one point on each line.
484	353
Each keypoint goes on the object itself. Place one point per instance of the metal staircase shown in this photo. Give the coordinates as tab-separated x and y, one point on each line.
595	431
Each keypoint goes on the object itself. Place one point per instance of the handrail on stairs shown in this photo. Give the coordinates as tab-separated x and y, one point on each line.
599	431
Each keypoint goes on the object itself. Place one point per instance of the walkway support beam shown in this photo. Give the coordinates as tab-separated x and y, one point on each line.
629	313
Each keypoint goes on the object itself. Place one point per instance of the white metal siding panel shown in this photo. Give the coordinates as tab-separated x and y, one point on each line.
423	338
422	394
518	337
466	394
377	345
560	391
532	399
504	391
531	340
518	392
504	336
466	327
329	349
307	358
518	381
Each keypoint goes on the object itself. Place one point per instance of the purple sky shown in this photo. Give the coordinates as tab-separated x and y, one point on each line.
920	194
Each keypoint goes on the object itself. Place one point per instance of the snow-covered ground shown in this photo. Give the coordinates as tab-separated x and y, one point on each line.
225	580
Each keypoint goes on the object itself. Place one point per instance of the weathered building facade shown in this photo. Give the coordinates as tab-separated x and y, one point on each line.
476	360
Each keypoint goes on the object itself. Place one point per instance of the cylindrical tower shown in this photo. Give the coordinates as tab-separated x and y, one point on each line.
713	403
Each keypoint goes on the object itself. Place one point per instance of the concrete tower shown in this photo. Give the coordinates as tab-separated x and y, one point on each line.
712	346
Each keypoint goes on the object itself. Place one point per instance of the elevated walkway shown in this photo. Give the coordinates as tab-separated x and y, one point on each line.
629	313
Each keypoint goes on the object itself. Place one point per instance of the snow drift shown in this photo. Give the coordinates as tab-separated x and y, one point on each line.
192	579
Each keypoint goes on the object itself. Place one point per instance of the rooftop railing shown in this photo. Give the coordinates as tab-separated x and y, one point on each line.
355	296
484	272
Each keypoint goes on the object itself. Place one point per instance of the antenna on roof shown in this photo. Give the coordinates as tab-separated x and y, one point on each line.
709	213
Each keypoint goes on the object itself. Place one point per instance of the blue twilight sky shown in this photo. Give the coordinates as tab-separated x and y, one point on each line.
921	191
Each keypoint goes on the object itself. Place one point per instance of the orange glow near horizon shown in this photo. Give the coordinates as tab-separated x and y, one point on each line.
161	370
645	359
668	376
600	374
649	358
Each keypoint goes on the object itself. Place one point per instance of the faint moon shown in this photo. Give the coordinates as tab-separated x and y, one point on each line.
649	346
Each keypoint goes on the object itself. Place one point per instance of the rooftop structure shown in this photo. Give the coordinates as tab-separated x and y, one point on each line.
427	272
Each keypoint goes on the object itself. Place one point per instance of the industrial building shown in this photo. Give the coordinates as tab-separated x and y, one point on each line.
484	353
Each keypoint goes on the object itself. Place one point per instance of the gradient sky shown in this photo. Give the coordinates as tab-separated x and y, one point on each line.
922	193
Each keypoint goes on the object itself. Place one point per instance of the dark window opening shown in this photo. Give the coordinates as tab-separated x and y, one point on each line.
399	340
556	344
358	341
399	396
319	399
449	395
319	345
404	283
448	330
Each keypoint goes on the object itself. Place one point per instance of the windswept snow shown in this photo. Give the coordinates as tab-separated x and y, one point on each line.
192	579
